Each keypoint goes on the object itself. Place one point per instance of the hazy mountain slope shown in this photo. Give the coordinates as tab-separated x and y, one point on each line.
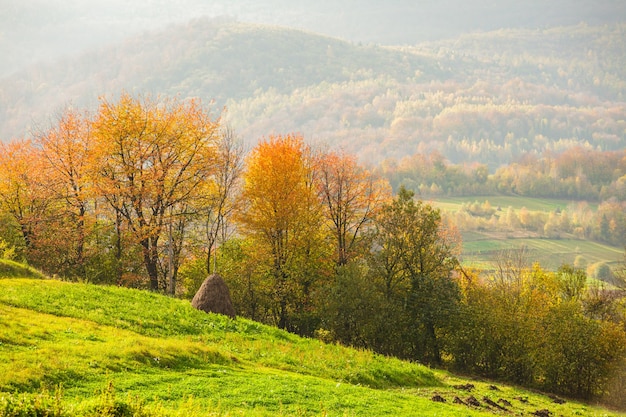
39	30
484	97
215	60
496	96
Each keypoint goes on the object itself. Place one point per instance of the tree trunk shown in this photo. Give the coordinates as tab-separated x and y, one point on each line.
26	234
80	244
283	320
118	246
171	277
150	260
430	328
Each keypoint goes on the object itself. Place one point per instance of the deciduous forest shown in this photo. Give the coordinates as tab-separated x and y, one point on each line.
157	194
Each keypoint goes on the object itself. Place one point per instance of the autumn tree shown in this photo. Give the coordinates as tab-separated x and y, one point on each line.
65	148
352	196
250	282
527	325
495	334
24	192
415	256
220	199
620	273
211	216
281	212
580	354
149	161
572	282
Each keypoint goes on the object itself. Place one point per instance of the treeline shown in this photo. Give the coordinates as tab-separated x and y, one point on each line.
584	177
580	175
158	194
543	329
575	174
605	224
113	197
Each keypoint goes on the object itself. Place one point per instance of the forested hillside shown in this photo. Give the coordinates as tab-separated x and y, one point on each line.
486	97
479	106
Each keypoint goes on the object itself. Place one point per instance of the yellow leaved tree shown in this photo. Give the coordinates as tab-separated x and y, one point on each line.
151	161
352	196
281	212
24	192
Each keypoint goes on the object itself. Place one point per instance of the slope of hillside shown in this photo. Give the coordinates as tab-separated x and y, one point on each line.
14	269
115	351
212	59
496	97
486	98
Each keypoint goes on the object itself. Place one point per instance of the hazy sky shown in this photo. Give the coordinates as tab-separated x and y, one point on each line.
41	30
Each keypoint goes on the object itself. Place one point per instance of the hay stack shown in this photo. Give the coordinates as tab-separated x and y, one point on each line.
213	296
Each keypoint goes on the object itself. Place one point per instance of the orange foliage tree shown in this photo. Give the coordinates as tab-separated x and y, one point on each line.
351	196
282	213
150	162
24	192
64	150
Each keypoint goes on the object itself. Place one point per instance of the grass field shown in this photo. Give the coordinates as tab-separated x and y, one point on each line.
78	349
12	269
481	248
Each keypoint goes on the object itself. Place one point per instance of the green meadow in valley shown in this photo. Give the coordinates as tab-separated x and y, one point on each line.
483	243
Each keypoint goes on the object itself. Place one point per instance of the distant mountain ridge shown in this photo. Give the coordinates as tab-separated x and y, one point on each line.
214	59
34	31
486	98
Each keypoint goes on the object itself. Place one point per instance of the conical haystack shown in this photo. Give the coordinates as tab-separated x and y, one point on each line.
213	296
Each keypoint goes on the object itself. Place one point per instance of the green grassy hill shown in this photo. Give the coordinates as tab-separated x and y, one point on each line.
77	349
